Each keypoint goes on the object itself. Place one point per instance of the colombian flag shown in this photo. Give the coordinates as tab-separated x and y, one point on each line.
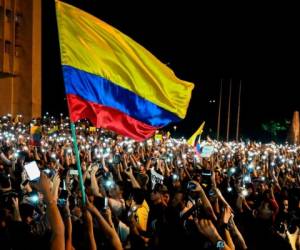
113	81
36	135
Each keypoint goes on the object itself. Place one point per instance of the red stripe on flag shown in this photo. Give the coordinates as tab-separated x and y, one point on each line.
110	118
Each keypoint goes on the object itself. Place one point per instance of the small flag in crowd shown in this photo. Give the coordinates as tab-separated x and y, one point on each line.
158	137
53	130
36	135
113	81
191	141
168	134
93	129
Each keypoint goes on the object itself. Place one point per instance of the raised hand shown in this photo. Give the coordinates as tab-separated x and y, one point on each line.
43	185
56	182
94	169
207	228
15	203
128	171
227	213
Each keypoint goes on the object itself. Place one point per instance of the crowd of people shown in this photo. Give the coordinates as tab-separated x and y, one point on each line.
157	194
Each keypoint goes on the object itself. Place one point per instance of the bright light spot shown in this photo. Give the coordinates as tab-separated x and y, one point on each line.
244	192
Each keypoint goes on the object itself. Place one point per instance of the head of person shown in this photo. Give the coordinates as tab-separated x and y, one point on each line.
178	201
267	195
218	176
26	212
193	189
261	187
285	205
138	196
197	177
266	209
142	178
206	163
160	194
115	192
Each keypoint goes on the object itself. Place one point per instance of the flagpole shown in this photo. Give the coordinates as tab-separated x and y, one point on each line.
229	107
73	130
219	112
238	113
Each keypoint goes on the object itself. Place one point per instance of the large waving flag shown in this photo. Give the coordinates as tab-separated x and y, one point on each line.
199	131
113	81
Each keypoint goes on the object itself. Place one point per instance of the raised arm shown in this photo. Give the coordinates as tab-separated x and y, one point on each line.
133	181
53	215
89	225
108	231
16	215
207	228
94	183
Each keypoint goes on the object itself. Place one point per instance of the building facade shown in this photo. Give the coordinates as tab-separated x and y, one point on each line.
20	57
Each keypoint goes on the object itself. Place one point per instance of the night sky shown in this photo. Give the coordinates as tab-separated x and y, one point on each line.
258	45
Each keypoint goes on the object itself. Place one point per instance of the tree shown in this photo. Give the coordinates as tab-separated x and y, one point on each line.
274	127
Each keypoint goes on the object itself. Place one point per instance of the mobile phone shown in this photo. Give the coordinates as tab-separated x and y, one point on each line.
63	197
117	159
49	172
32	171
105	203
101	203
33	198
63	194
73	172
206	172
206	178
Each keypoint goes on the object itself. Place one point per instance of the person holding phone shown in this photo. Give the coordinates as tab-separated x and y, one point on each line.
53	214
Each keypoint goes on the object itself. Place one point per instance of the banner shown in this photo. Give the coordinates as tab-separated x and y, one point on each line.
156	178
207	151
